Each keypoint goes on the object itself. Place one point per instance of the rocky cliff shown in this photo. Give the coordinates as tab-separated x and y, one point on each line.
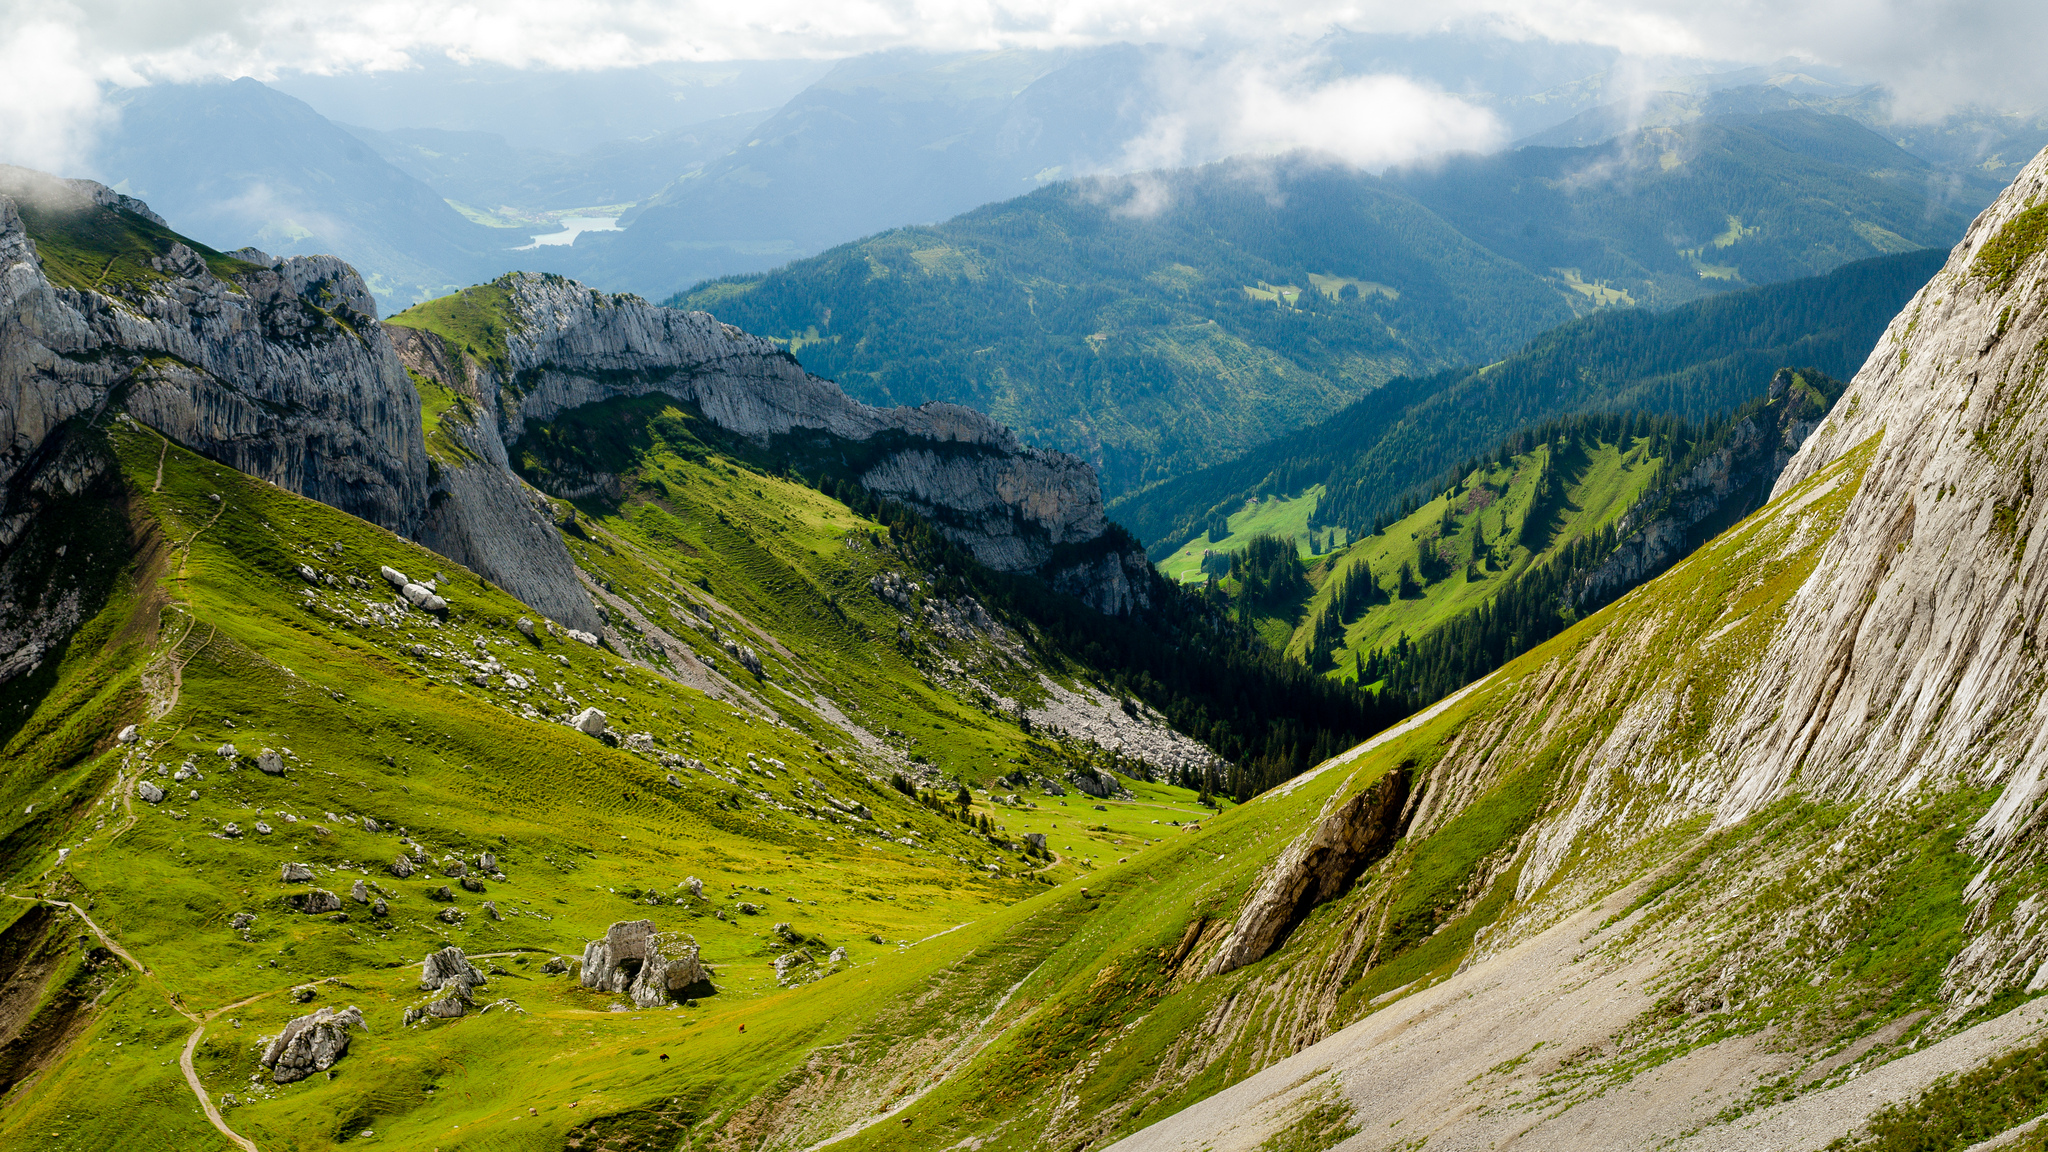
549	345
281	369
275	367
1730	482
1750	855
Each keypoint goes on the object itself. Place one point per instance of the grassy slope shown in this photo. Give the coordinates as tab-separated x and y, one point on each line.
1698	360
1601	484
415	742
1061	1019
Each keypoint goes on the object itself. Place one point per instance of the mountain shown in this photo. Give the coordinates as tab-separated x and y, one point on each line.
1743	858
1555	522
1697	361
485	174
550	112
882	140
261	723
1258	297
274	173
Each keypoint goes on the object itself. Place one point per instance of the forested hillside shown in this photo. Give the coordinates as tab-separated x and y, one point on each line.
1696	362
1509	549
1158	325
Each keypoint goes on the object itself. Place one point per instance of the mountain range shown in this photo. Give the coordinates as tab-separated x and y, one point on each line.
894	799
1260	297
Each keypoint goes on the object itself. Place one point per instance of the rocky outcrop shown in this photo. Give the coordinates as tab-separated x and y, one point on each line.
1729	483
1014	506
649	967
311	1044
1318	866
274	367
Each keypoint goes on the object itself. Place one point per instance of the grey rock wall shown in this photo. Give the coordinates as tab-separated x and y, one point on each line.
1012	505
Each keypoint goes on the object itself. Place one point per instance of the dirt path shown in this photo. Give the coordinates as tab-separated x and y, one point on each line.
213	1115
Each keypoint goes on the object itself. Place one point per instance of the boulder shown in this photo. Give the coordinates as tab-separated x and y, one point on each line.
226	752
642	742
422	597
316	901
650	967
838	955
794	967
449	966
307	574
370	825
525	627
360	893
1052	788
393	576
242	920
129	735
270	762
401	867
590	722
582	637
262	829
447	1008
491	910
380	908
555	967
292	873
471	884
454	868
231	830
487	862
1035	841
450	916
695	886
311	1044
150	793
442	894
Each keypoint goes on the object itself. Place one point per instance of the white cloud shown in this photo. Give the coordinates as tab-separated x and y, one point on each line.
55	53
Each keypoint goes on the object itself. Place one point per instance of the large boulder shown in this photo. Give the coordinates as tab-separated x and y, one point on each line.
295	873
311	1044
270	762
315	901
647	966
449	971
590	722
150	793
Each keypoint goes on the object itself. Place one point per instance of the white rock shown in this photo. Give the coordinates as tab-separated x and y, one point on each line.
129	735
590	722
396	578
149	792
270	762
311	1044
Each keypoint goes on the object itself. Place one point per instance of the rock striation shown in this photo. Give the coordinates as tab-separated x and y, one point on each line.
649	967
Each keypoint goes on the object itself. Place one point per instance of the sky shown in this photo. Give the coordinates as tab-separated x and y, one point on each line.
60	56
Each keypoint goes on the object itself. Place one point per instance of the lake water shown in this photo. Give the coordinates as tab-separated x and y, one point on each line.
572	227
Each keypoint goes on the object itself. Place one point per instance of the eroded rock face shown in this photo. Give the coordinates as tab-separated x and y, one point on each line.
280	372
1319	865
311	1044
1009	503
647	966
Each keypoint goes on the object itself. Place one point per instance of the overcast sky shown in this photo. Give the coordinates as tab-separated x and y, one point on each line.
57	56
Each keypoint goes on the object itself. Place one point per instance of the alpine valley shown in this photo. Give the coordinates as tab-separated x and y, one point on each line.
538	718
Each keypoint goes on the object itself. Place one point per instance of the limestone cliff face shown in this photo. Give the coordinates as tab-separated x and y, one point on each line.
567	345
277	370
281	369
1796	725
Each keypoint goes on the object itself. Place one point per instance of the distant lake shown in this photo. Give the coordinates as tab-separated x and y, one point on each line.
572	227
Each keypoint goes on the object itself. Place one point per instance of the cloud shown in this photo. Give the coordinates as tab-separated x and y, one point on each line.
57	55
